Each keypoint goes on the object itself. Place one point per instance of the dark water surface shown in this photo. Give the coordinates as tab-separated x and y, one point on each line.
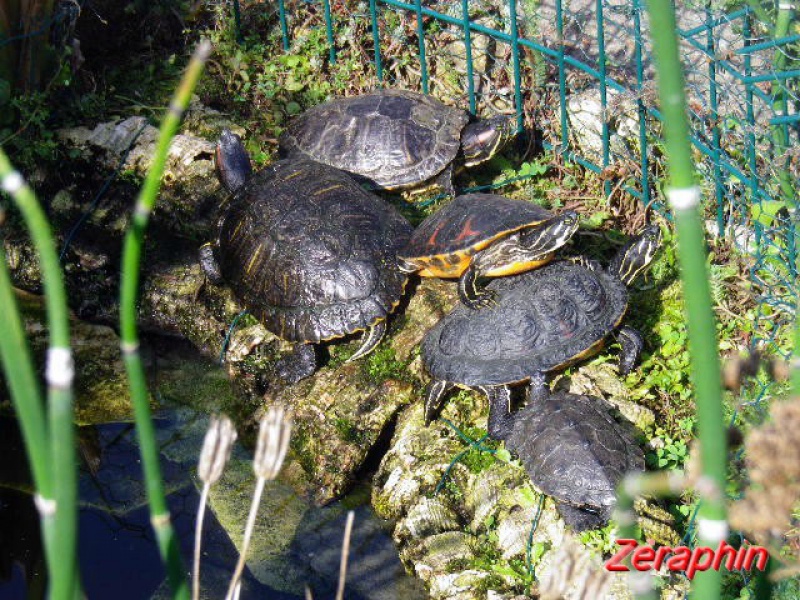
117	550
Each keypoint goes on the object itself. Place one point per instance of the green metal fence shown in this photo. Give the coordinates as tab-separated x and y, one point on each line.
580	72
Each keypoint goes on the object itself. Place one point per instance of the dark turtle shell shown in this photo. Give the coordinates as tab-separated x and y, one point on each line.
393	138
311	253
574	450
543	320
448	238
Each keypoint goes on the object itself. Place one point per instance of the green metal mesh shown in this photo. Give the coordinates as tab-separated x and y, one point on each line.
580	72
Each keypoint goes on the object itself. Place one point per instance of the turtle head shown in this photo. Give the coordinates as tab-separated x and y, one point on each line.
232	162
635	256
482	139
552	234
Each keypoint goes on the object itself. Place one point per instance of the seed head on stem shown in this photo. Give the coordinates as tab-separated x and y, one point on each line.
274	432
214	455
217	447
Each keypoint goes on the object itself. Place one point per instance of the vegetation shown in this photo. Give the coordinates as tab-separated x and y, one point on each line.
262	87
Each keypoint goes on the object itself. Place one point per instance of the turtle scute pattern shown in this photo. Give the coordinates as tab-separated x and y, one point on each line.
573	449
543	320
470	219
393	138
312	253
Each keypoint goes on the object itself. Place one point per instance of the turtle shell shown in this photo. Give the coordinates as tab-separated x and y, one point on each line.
445	242
574	450
311	253
543	320
393	138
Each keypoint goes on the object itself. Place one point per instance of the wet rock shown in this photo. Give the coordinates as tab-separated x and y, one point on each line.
586	125
601	379
432	478
190	190
101	384
339	414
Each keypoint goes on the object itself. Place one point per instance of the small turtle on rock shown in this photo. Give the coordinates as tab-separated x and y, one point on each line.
395	139
478	236
308	251
544	320
573	450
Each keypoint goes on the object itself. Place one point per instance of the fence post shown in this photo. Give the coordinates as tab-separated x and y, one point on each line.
512	15
376	39
562	80
468	49
423	63
326	4
641	109
284	26
601	64
711	50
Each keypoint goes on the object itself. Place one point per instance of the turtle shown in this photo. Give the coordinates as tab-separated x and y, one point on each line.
395	139
307	251
573	450
544	320
477	236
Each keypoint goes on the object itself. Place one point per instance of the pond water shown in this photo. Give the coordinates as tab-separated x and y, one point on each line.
117	550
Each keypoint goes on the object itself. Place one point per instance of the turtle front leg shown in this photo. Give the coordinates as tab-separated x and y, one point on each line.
445	181
632	344
434	396
372	338
538	390
581	519
209	264
301	363
473	295
500	419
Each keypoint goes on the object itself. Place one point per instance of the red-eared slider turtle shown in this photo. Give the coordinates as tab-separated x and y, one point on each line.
574	451
544	320
477	236
395	139
308	251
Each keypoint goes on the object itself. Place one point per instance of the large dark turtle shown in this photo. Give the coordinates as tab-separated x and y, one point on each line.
395	139
477	236
574	451
308	251
544	320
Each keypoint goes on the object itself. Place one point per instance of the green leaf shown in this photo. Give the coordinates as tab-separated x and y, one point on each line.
503	454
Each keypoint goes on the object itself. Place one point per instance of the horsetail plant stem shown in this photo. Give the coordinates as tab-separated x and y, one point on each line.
129	286
15	356
660	484
216	452
61	504
274	432
683	195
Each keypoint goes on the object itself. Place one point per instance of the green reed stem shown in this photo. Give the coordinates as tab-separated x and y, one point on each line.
131	260
659	485
15	356
684	198
59	376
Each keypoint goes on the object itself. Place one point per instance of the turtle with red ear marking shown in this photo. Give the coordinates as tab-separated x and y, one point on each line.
543	321
395	139
308	252
479	236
